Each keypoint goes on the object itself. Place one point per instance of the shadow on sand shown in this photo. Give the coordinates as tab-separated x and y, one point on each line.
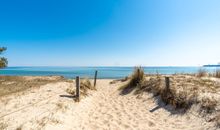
171	109
159	102
127	90
68	96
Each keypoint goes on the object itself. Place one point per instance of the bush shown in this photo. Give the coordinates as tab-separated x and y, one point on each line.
3	61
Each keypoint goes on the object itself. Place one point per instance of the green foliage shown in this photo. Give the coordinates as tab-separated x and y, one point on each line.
3	61
2	49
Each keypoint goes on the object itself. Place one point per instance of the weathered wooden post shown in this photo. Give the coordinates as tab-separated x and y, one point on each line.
77	88
167	80
96	72
166	95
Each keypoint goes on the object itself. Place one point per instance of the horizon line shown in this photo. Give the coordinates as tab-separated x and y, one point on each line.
113	66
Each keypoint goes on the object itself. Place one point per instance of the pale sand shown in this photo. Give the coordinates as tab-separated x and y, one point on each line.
45	108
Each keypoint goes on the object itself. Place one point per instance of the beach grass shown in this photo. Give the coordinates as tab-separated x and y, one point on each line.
135	80
217	73
70	90
201	73
184	91
8	83
85	86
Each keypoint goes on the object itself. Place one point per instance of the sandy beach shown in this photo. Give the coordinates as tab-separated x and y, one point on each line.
109	65
50	107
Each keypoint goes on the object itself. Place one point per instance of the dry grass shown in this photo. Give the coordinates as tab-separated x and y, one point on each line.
208	104
135	80
201	73
42	122
184	91
8	83
3	126
61	106
217	120
55	121
71	90
179	98
217	74
86	85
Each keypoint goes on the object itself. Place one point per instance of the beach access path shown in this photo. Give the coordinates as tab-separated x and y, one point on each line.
50	107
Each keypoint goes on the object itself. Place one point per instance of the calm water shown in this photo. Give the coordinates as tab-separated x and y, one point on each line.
103	72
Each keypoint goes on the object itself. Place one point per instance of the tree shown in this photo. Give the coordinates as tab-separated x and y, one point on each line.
3	60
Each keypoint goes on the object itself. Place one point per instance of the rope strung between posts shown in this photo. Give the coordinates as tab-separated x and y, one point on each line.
28	106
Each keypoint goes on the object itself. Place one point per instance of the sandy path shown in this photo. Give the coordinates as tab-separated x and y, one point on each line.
102	109
110	110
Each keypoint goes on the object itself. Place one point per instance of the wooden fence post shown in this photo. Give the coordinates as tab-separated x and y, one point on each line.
96	72
166	95
167	80
77	89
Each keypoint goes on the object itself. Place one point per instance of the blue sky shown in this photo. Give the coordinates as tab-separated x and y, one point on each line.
110	32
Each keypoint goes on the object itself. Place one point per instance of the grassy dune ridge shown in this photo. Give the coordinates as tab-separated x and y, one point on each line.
13	84
201	90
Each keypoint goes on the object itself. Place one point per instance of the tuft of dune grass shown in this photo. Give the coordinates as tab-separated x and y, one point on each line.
61	106
217	73
217	120
70	90
135	80
42	122
201	73
85	86
208	104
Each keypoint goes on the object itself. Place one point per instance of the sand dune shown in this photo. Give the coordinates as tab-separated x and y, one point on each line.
50	107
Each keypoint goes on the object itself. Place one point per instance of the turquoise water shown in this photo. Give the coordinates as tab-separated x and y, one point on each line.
103	72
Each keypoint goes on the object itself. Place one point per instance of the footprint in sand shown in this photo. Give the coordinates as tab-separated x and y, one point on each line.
151	124
126	126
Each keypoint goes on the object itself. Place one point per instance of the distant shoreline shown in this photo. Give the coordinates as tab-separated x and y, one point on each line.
211	65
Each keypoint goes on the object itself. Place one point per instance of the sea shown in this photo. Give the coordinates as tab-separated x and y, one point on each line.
103	72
